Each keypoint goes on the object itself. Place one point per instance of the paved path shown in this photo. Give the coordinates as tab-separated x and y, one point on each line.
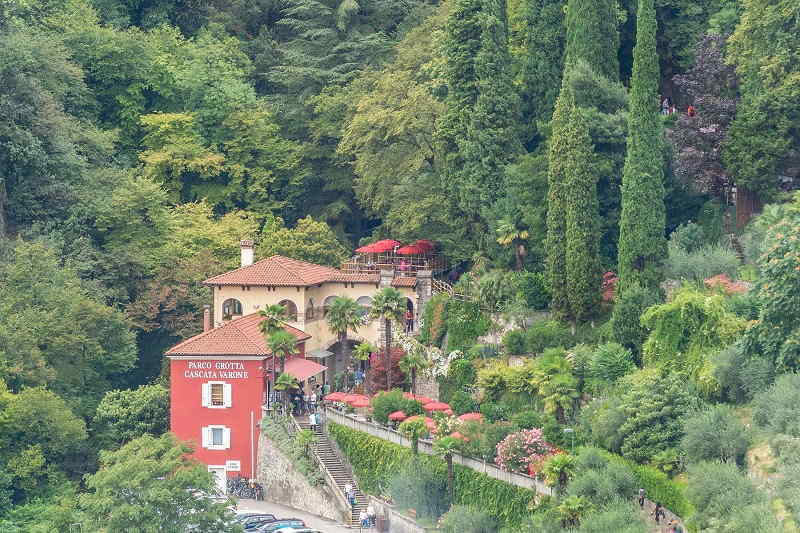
282	511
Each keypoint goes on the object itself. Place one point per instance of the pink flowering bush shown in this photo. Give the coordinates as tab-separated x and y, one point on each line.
520	450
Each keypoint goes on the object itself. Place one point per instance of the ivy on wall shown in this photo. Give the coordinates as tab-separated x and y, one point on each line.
376	461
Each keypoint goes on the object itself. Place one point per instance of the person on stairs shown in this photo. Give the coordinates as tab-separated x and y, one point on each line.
363	519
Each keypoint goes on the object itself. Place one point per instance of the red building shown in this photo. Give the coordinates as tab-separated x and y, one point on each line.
218	384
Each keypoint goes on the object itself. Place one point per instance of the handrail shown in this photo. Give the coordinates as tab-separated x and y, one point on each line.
328	476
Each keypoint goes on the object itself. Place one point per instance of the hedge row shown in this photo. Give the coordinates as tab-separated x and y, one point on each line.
375	461
658	486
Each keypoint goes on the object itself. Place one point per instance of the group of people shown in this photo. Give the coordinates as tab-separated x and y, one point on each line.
307	403
659	514
667	108
366	517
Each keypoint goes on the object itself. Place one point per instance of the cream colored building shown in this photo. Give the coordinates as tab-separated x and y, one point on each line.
305	290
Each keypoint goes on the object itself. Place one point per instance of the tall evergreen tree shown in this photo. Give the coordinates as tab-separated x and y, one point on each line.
642	245
592	35
542	62
582	218
492	138
556	205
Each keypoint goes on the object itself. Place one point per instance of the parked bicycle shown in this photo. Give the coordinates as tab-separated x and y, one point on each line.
245	488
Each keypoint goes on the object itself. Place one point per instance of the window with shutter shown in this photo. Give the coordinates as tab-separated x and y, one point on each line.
226	436
204	436
217	395
206	394
228	394
218	435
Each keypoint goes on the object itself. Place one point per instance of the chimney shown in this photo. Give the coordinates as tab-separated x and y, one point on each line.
246	246
206	317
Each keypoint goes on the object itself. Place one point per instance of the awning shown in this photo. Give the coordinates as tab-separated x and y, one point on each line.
303	369
319	353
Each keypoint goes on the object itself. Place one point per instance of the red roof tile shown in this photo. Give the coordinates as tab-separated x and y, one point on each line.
363	277
237	337
276	271
404	282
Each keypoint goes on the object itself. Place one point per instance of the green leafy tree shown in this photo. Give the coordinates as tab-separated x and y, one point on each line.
558	470
592	36
609	362
413	429
124	415
626	327
149	485
282	345
776	334
775	409
464	519
388	306
715	435
310	240
344	314
286	383
411	364
581	219
642	246
551	379
572	510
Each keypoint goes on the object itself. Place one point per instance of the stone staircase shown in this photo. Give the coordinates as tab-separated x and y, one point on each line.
324	452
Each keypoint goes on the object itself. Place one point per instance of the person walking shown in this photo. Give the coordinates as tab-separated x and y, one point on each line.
363	518
348	491
312	401
641	498
658	513
409	321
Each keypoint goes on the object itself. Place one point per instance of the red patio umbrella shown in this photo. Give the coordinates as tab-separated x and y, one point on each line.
467	417
386	245
398	415
411	249
350	398
448	412
335	397
408	395
367	249
436	406
359	404
423	399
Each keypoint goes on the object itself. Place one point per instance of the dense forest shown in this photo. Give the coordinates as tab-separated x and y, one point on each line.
598	160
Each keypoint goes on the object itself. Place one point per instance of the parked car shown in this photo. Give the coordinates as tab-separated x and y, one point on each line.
281	523
242	516
252	523
294	530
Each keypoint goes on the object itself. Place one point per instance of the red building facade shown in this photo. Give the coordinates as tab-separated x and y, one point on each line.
218	386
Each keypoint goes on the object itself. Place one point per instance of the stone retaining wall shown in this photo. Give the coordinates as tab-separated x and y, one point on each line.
284	484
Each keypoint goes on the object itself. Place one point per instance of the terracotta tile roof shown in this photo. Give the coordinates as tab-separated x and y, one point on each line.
278	271
404	282
237	337
364	277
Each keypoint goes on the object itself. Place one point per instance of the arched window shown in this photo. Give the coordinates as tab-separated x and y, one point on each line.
327	304
310	309
231	308
291	310
365	302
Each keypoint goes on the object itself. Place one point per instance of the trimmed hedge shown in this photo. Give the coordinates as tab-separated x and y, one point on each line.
375	461
657	485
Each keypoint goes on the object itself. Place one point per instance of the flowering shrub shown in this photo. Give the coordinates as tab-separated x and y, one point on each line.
518	451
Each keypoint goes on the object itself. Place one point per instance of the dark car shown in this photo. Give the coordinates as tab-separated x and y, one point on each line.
252	523
281	523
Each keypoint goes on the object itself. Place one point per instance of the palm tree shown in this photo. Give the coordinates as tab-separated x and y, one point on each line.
508	233
286	382
361	353
389	306
446	447
413	429
572	509
558	470
281	344
344	314
273	317
411	364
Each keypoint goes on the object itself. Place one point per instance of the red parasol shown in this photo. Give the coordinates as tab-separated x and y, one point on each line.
335	397
467	417
436	406
448	412
425	244
408	395
368	249
386	245
423	399
398	415
411	249
350	398
360	403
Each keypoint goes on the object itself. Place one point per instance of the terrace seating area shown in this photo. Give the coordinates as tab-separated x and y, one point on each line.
391	255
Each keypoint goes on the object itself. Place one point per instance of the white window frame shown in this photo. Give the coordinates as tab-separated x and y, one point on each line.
207	438
227	395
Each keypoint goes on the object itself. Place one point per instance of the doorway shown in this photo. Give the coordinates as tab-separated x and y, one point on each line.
220	478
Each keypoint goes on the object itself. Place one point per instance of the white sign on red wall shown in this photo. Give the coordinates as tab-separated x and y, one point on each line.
215	370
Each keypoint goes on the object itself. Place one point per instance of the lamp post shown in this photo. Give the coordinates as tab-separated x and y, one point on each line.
572	433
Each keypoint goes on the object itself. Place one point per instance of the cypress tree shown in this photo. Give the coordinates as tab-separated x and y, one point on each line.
582	216
492	139
556	205
542	62
642	245
592	36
